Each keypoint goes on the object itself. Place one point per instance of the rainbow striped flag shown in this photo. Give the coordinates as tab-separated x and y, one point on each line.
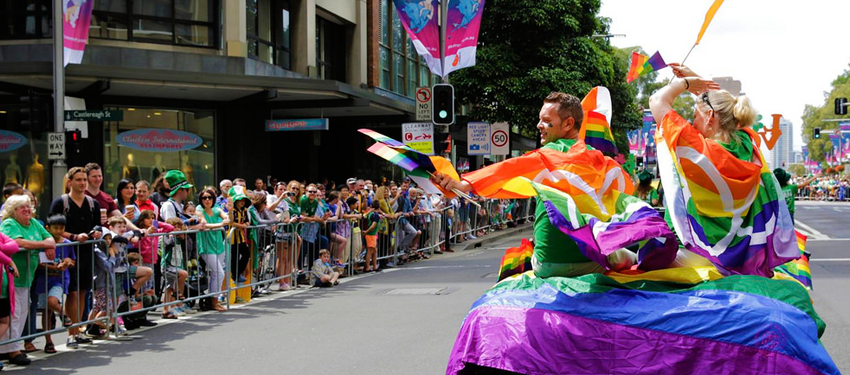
642	64
728	210
417	165
566	165
516	260
799	269
673	321
596	127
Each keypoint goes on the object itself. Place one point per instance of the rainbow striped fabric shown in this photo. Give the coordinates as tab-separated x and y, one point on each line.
566	165
642	64
516	260
674	321
626	222
417	165
596	127
799	269
727	210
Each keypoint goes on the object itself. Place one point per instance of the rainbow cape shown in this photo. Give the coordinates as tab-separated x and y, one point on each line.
630	222
596	126
673	321
730	211
642	64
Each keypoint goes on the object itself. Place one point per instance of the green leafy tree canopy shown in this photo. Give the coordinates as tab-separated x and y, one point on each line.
814	116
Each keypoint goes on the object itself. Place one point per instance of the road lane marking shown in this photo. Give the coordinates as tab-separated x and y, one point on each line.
830	260
812	231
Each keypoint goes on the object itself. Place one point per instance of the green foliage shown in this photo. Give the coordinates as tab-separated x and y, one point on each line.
529	48
813	117
797	169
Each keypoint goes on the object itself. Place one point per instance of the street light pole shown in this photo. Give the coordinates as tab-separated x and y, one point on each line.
444	11
59	166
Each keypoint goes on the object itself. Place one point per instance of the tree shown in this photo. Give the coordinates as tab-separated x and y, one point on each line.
797	169
529	48
814	116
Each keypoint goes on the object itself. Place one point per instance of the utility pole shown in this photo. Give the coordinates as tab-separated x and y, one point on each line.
59	166
444	22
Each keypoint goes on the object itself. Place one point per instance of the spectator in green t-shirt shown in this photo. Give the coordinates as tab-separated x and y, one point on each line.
20	225
789	190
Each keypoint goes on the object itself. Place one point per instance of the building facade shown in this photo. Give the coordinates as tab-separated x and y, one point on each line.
207	74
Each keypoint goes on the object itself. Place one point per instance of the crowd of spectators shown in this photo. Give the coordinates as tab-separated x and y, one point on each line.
833	187
149	238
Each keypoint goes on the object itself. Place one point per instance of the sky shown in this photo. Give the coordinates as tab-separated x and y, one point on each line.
785	53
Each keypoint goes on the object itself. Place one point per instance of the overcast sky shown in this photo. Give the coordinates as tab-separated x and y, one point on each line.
785	53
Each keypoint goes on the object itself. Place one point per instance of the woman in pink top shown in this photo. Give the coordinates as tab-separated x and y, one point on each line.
8	247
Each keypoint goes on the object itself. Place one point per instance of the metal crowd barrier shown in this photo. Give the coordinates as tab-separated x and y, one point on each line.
279	252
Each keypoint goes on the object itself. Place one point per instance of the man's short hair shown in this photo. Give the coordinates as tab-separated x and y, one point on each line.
92	167
568	106
10	188
56	219
238	180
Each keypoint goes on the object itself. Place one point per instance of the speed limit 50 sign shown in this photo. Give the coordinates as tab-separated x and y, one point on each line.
500	139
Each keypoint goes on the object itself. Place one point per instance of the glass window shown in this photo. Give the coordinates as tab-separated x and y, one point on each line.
267	27
23	155
407	71
135	161
185	22
330	50
25	19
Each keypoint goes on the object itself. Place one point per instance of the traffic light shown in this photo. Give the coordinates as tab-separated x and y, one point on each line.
816	133
639	162
443	104
73	141
840	106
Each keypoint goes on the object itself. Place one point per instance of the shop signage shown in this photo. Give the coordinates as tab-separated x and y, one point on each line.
478	138
163	140
93	115
10	141
296	125
419	136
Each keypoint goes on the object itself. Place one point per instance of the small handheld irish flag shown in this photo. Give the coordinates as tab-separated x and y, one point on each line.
642	64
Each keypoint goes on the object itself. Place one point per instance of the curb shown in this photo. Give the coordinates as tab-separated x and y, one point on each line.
481	241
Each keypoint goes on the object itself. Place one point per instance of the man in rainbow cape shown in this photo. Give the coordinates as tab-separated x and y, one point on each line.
590	306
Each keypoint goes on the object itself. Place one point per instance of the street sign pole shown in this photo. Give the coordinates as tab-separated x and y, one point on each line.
59	166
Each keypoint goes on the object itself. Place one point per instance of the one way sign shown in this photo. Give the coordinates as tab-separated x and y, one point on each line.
56	146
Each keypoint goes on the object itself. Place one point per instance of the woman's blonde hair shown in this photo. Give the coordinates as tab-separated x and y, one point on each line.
733	113
380	192
12	204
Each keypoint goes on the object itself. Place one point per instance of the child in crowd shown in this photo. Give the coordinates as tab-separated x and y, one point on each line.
189	209
149	245
322	275
52	278
173	269
239	222
371	235
107	262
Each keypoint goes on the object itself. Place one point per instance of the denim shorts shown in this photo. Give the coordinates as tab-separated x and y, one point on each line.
55	291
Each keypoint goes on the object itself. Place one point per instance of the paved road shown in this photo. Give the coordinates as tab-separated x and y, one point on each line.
369	325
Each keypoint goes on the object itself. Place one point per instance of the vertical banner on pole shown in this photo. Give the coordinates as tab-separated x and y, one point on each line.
76	21
463	24
419	19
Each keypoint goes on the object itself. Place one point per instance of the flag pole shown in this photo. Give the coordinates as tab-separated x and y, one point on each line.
689	53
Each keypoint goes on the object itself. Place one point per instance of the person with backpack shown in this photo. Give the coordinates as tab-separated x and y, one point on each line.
82	217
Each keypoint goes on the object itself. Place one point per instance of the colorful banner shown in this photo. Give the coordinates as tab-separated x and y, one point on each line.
158	140
10	141
464	22
297	125
478	138
639	138
419	18
419	136
77	19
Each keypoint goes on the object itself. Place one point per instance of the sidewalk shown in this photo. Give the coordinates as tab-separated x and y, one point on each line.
492	236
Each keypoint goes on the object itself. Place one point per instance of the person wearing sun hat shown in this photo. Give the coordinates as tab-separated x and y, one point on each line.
644	190
178	192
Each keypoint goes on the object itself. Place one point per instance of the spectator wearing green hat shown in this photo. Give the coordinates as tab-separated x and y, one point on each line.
239	222
645	191
789	190
178	191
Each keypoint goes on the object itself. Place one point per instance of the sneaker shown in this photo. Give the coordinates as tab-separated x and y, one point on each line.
93	330
188	310
71	343
241	279
80	339
284	287
221	299
471	237
239	300
177	311
122	331
389	265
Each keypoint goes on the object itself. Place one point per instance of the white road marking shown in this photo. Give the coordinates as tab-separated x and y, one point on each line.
830	260
811	232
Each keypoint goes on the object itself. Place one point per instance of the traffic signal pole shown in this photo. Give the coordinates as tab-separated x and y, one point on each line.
444	14
59	166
